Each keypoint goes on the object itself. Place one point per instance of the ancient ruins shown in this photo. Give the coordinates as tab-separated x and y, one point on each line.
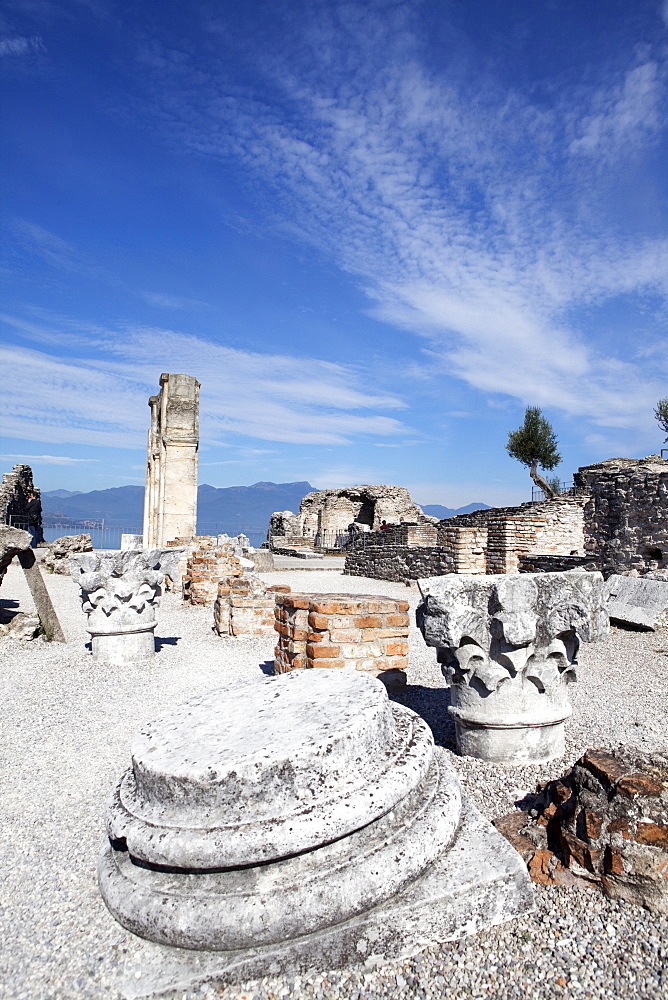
507	646
343	631
615	520
327	516
322	823
626	517
120	594
170	500
15	488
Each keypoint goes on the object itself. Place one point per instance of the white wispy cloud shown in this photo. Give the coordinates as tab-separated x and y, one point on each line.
471	214
20	45
48	459
103	400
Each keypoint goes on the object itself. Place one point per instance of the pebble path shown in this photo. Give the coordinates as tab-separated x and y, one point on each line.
66	730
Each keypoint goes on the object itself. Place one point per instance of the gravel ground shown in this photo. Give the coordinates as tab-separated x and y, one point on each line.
67	726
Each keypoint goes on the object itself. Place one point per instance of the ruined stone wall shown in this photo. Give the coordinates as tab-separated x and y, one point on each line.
244	606
556	564
206	566
554	527
14	490
324	514
170	500
468	546
626	518
399	563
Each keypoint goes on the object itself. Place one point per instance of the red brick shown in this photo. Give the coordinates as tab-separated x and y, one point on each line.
561	791
547	814
319	652
575	849
397	620
396	649
603	766
345	635
329	607
318	621
278	588
653	834
592	824
336	664
297	634
620	825
367	621
639	784
612	862
316	636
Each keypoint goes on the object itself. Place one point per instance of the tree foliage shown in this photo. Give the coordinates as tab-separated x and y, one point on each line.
535	444
661	414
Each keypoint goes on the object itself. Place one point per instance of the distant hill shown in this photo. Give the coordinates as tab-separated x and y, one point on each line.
436	510
231	509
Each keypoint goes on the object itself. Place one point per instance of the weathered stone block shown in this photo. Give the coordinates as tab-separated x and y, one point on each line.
637	601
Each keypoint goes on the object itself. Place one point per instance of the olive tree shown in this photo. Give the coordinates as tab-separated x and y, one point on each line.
661	414
535	444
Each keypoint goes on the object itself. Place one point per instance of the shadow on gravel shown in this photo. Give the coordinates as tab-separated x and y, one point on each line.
7	612
267	668
171	641
432	705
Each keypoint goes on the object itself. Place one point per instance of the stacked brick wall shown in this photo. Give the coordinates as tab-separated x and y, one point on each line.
399	562
344	631
205	568
626	518
14	490
245	607
467	545
190	545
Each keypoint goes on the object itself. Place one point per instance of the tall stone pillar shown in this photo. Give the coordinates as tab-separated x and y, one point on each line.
170	499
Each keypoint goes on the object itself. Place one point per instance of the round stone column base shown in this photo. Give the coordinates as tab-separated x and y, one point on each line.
517	744
120	648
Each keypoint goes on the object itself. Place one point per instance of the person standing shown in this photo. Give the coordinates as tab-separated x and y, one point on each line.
34	512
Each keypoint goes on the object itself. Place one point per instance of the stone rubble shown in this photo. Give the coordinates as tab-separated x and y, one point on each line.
606	820
57	555
641	601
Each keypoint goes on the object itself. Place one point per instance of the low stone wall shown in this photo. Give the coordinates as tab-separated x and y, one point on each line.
541	563
399	563
245	607
350	631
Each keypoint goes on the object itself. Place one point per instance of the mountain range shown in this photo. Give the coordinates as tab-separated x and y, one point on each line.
229	509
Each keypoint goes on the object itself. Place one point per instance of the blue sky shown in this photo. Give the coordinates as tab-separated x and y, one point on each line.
375	231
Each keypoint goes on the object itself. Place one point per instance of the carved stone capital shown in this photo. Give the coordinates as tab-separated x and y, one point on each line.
507	647
120	592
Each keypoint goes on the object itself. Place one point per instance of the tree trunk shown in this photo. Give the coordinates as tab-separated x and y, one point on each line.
541	483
